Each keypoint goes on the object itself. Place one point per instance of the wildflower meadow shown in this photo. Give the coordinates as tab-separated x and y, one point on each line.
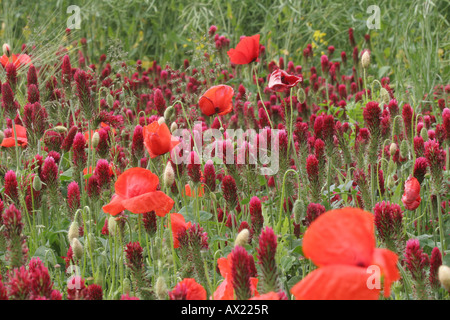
224	150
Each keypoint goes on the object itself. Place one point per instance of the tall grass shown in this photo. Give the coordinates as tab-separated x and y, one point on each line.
412	44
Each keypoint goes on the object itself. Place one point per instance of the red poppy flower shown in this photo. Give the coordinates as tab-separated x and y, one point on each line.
189	289
17	59
217	99
225	290
280	80
158	140
178	223
246	51
136	192
86	133
9	140
200	192
411	197
267	296
342	244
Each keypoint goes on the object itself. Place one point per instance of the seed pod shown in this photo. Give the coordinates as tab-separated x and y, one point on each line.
242	238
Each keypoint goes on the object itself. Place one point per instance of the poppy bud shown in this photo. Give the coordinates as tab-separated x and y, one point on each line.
109	100
112	226
6	50
242	238
2	136
444	277
60	129
393	148
365	59
126	285
168	114
424	134
161	288
95	139
37	184
169	175
384	94
411	197
298	210
91	241
173	127
73	231
404	149
161	120
77	248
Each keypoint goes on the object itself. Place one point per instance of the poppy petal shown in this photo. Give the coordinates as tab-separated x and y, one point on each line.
339	282
136	181
342	236
195	291
158	139
254	286
224	291
224	266
156	201
246	51
115	206
267	296
206	106
177	223
387	261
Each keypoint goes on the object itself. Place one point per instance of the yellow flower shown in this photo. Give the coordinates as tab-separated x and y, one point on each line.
318	35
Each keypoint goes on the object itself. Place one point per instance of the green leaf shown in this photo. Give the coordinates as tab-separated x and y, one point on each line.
190	215
66	175
287	262
46	255
383	71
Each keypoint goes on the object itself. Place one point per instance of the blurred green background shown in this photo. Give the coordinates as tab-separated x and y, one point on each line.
411	46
